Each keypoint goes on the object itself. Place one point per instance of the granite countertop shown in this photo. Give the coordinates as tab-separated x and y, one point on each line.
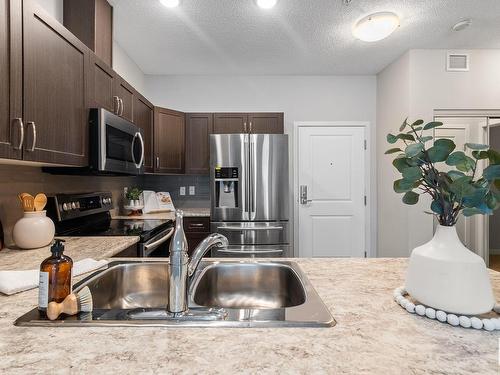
188	212
373	335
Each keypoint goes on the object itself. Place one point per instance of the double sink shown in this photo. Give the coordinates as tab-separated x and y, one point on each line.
230	293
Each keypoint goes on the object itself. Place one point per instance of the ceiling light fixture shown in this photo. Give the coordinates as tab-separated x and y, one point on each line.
459	26
266	4
376	26
170	3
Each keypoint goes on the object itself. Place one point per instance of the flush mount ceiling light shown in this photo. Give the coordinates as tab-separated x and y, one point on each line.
376	26
459	26
170	3
266	4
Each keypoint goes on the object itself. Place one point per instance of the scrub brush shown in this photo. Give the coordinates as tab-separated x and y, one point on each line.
72	304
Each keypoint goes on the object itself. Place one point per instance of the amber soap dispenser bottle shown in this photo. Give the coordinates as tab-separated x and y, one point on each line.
55	276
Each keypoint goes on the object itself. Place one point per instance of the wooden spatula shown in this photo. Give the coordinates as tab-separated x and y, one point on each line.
27	201
40	201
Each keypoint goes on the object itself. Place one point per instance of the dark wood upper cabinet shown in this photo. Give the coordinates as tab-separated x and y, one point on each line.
11	78
143	118
265	123
169	141
102	85
199	126
230	123
55	102
125	94
92	22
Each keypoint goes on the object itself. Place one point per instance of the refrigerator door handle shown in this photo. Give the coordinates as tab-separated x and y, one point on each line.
246	184
240	229
252	178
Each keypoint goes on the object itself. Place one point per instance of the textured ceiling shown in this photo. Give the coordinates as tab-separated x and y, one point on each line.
295	37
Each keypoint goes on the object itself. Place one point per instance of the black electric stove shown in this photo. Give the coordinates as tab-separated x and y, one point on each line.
85	215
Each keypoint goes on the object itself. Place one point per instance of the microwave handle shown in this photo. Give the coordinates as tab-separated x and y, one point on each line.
141	161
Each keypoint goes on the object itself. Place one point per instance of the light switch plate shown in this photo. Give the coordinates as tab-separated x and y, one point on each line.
192	190
182	190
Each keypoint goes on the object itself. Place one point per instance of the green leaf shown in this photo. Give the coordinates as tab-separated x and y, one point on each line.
392	151
432	125
406	137
454	175
402	186
403	125
417	123
492	172
461	161
462	187
445	143
436	207
414	149
400	164
427	138
412	174
480	155
476	199
391	138
493	156
410	197
437	154
477	146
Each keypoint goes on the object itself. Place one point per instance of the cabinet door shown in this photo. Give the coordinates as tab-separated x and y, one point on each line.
55	102
102	85
230	123
265	123
126	94
11	78
169	139
143	118
198	128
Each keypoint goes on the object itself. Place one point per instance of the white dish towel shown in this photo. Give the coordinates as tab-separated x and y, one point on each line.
18	281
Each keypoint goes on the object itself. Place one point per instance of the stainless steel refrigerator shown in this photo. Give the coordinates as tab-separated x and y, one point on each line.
249	194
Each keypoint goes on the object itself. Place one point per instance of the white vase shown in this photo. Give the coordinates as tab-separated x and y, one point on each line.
445	275
33	230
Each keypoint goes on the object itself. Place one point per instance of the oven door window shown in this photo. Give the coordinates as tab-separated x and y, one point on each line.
119	145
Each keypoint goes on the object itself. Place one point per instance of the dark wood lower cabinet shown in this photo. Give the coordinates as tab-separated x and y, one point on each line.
196	229
199	126
55	103
169	141
129	252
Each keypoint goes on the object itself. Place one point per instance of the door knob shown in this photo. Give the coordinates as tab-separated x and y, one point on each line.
303	195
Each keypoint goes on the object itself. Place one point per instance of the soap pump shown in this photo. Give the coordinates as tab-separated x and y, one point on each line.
55	276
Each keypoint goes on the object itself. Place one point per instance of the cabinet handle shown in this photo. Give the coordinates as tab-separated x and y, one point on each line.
250	127
245	127
33	126
116	105
121	102
196	225
21	133
157	162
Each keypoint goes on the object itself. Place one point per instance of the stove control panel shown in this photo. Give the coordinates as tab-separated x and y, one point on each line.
62	207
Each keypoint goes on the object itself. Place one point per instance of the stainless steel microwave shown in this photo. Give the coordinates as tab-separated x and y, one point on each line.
116	145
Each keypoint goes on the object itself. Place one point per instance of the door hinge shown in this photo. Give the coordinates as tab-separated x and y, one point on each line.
365	200
365	254
365	144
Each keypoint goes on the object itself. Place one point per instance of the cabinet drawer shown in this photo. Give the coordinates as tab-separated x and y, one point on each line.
197	224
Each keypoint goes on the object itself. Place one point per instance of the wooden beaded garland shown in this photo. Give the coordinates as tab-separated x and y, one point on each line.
452	319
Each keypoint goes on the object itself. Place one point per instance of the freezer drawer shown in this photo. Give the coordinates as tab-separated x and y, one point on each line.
250	233
258	251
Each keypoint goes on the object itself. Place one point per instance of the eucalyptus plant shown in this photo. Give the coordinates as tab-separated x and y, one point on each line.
459	188
133	194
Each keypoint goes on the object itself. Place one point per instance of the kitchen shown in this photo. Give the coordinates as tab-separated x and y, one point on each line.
186	87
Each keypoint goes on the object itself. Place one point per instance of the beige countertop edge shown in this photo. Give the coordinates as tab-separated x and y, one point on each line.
373	335
188	212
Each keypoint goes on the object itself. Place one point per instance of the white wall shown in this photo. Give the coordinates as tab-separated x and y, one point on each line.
53	7
128	69
301	98
430	87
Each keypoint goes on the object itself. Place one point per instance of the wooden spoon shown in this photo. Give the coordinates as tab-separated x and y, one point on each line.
40	201
28	202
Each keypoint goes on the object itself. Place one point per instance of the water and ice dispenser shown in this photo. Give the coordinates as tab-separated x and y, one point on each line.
226	187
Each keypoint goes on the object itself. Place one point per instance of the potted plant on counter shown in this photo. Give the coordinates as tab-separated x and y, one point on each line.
133	200
443	273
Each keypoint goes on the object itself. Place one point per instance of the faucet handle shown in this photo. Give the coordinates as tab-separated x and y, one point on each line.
179	242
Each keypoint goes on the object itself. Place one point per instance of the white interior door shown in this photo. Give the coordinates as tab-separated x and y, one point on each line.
462	130
331	166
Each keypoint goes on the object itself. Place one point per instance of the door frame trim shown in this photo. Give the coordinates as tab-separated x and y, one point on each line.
370	188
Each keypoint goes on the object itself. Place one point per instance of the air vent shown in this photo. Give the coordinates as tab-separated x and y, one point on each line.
457	62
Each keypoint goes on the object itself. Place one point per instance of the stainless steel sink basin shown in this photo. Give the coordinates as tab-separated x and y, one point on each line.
249	286
230	293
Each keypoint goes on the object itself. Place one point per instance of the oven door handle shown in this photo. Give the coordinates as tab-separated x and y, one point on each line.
153	245
238	229
270	251
141	161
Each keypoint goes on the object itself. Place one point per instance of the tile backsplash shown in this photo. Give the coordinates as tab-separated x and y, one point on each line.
15	179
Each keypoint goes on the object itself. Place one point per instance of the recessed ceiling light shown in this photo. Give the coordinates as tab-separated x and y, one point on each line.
459	26
376	26
266	4
170	3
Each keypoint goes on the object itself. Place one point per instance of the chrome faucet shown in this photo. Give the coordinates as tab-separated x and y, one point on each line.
181	268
